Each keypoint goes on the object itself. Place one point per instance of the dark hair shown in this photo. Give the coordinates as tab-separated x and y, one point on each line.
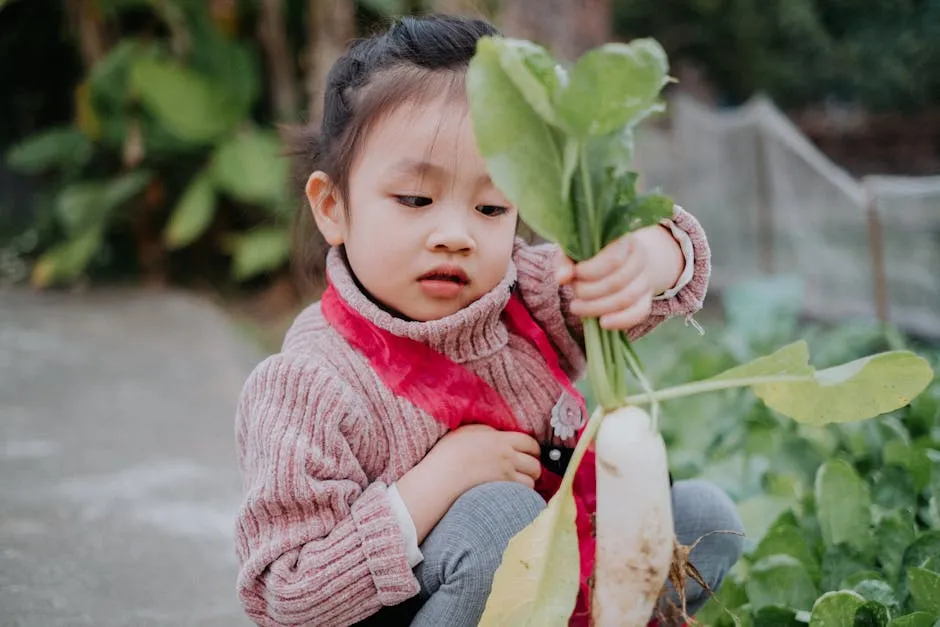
374	76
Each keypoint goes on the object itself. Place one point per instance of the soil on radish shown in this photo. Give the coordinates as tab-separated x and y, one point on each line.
641	570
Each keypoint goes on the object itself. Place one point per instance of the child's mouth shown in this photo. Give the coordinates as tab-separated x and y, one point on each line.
444	282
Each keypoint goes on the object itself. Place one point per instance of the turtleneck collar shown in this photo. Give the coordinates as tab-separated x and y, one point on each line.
474	332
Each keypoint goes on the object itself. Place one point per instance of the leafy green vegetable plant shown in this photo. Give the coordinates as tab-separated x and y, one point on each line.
558	142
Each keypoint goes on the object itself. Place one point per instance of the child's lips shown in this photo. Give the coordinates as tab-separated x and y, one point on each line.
441	288
444	281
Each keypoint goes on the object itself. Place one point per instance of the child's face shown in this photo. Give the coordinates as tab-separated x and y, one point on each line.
425	230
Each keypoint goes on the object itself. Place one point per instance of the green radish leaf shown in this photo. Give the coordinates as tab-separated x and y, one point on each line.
879	592
786	539
250	168
780	580
520	149
186	103
836	609
840	562
777	616
919	554
843	505
535	73
872	614
858	390
925	589
858	577
67	260
759	513
917	619
537	581
258	251
610	158
613	86
731	595
893	535
893	489
643	211
192	214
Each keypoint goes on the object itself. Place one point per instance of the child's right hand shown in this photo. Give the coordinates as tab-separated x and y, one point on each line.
474	454
465	458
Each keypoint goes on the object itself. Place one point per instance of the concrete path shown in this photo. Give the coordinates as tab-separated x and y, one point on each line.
118	479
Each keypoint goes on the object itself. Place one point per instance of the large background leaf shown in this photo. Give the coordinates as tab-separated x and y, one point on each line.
193	213
187	104
251	168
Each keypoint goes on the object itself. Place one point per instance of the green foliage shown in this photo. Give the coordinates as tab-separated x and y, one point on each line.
846	510
173	113
880	55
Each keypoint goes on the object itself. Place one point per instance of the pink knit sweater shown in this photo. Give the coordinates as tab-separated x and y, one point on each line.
320	438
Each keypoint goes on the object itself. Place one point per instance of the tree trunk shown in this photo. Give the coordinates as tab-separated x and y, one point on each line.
332	25
568	28
88	25
280	66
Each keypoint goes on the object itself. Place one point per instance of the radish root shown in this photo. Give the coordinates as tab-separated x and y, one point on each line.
681	570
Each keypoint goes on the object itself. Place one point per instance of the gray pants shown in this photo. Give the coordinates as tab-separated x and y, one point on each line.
462	553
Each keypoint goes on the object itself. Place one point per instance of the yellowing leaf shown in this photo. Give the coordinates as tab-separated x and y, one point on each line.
857	390
537	583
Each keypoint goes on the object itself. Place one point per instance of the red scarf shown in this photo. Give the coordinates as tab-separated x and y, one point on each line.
454	396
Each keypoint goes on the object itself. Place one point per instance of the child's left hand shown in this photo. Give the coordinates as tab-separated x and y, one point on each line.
618	284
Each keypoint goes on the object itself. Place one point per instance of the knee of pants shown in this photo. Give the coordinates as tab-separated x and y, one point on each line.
704	513
485	519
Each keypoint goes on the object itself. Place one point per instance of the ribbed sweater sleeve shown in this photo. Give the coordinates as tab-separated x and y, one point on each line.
317	543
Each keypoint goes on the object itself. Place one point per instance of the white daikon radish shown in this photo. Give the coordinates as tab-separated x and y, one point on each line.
635	535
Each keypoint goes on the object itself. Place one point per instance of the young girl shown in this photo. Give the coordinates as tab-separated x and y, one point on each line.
393	447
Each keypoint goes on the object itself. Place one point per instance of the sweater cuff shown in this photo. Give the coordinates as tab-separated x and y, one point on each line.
688	257
407	525
688	298
383	546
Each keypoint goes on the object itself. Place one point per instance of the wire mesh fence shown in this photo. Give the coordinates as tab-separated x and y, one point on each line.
772	203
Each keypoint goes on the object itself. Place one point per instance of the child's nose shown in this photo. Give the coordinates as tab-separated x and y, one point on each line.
451	235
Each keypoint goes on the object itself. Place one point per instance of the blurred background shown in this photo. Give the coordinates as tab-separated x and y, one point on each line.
145	215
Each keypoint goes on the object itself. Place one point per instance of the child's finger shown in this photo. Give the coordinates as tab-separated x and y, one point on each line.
628	318
564	269
621	276
611	303
615	255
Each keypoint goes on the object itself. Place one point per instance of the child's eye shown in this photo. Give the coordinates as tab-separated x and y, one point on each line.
414	201
491	210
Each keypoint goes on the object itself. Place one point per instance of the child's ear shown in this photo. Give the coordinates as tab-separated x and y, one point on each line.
327	208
